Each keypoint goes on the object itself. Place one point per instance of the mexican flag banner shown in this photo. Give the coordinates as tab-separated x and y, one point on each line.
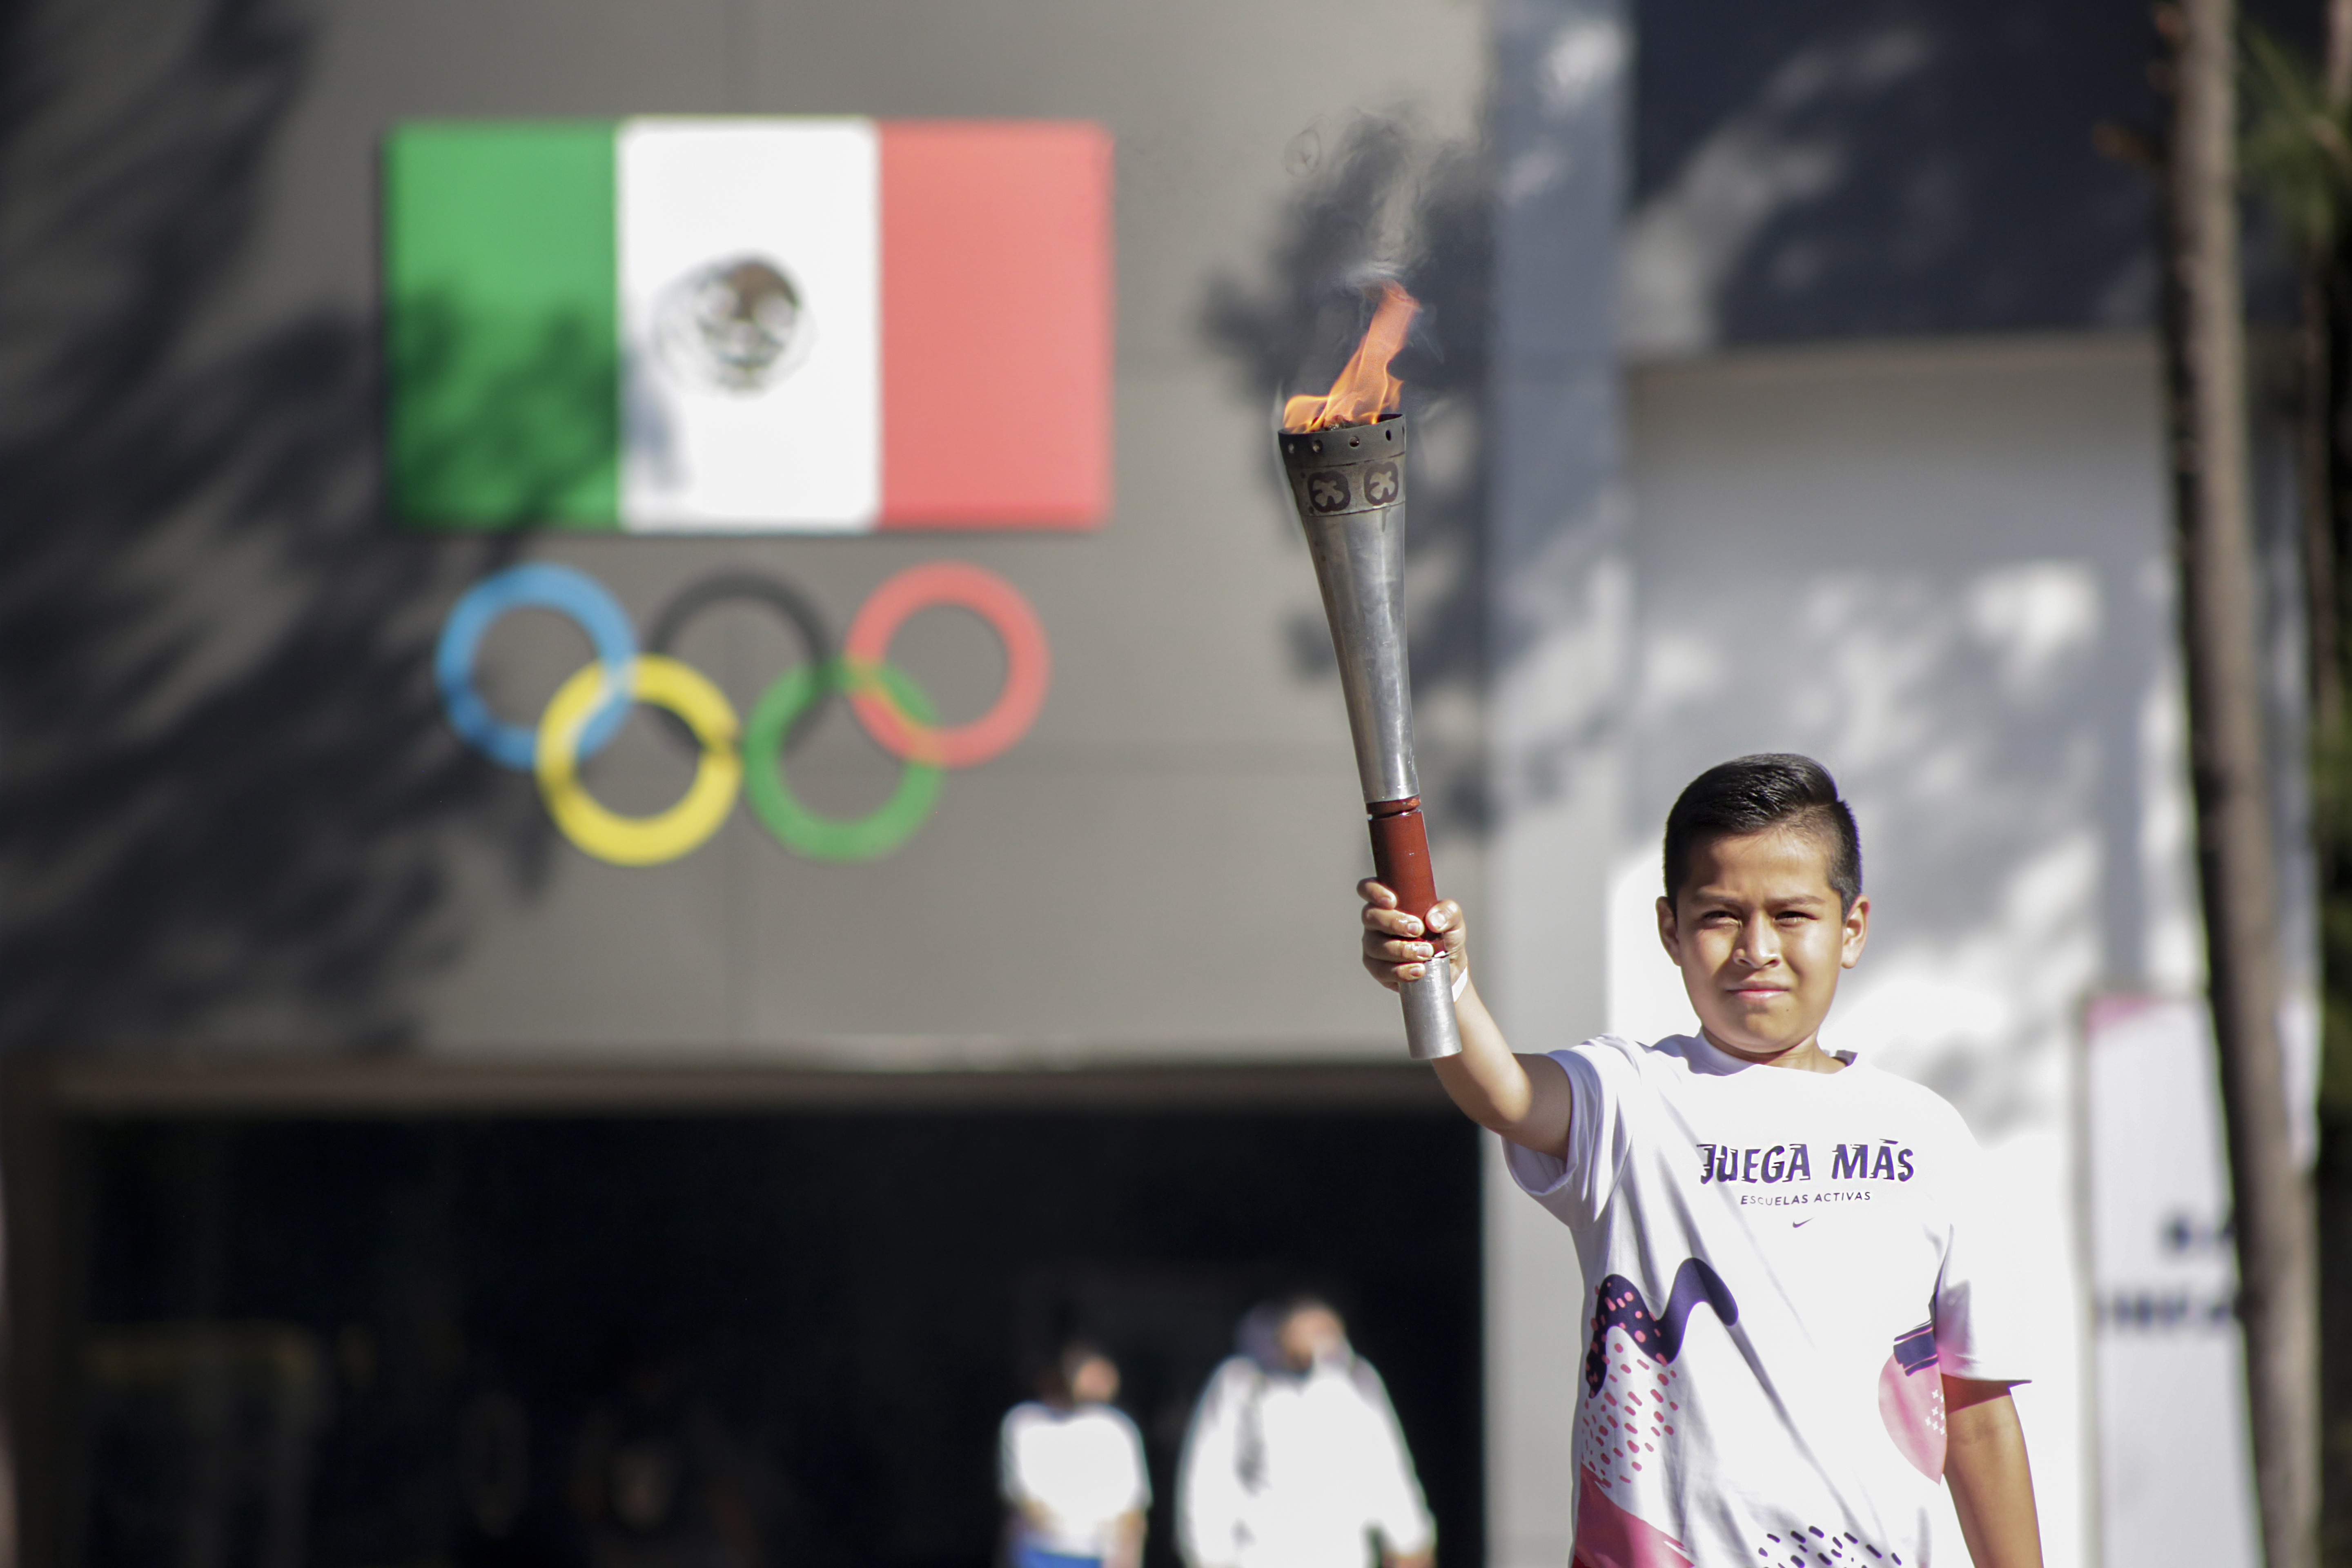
711	325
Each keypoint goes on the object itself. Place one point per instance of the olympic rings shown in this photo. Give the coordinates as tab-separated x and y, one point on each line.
549	585
1027	664
825	838
796	610
640	840
591	706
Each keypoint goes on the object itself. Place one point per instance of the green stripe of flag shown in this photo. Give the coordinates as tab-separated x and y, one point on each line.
502	336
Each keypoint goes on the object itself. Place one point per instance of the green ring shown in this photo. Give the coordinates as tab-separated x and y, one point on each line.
797	827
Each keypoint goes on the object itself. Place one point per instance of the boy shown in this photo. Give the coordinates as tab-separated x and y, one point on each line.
1070	1464
1791	1338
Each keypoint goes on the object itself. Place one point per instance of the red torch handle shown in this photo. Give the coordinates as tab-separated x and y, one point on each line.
1401	854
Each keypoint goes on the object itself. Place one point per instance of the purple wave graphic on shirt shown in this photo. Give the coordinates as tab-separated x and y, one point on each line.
1659	1336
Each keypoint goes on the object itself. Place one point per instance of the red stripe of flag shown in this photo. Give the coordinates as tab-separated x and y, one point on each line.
996	324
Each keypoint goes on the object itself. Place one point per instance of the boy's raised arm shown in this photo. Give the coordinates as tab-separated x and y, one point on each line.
1525	1099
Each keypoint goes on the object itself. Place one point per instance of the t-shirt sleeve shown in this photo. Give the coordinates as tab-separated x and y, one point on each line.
1210	1500
1578	1187
1983	1319
1392	1494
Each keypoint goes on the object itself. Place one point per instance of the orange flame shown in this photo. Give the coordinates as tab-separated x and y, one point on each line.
1365	390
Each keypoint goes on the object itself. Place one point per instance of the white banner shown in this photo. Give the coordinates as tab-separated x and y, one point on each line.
2175	1473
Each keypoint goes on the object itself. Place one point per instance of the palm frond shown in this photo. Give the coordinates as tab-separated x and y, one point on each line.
2295	149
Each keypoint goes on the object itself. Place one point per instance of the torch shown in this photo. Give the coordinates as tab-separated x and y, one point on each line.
1346	465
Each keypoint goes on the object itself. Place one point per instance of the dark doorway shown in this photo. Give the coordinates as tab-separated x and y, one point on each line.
354	1344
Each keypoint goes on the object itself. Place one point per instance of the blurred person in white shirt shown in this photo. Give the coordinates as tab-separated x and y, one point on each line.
1072	1470
1295	1458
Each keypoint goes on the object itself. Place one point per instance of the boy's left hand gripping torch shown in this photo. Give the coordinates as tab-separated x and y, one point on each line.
1348	485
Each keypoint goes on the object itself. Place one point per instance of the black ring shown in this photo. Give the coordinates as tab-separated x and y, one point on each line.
796	610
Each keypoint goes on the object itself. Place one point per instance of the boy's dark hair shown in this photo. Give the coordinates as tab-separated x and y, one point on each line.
1056	1374
1756	795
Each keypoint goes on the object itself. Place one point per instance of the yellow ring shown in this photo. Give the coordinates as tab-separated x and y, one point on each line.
664	836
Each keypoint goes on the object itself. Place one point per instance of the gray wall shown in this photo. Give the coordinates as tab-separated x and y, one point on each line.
232	810
1820	169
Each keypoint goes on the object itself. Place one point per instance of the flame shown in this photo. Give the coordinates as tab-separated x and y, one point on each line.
1365	390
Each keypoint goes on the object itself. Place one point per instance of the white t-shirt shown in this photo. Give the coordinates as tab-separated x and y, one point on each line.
1082	1466
1285	1470
1778	1265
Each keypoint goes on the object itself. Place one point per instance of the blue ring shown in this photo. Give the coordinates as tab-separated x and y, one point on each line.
550	586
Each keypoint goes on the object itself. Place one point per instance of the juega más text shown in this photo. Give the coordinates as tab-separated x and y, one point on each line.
1794	1163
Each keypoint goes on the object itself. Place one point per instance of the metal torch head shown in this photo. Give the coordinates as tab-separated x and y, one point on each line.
1348	486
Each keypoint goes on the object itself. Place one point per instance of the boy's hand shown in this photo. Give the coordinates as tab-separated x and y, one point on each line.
1396	946
1525	1099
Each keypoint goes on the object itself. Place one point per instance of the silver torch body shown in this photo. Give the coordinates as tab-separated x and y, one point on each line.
1348	486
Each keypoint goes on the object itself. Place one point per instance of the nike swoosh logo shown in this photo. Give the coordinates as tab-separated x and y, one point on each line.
1802	1223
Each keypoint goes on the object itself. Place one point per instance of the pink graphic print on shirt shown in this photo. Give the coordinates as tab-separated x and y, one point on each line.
1630	1411
1911	1401
1608	1536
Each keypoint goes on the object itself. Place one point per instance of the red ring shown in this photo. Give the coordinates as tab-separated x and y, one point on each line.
1027	664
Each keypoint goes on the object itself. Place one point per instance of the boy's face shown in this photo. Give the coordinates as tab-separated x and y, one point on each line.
1758	936
1095	1381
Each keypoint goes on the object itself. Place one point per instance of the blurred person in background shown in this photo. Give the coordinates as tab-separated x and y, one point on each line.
1295	1458
1072	1470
